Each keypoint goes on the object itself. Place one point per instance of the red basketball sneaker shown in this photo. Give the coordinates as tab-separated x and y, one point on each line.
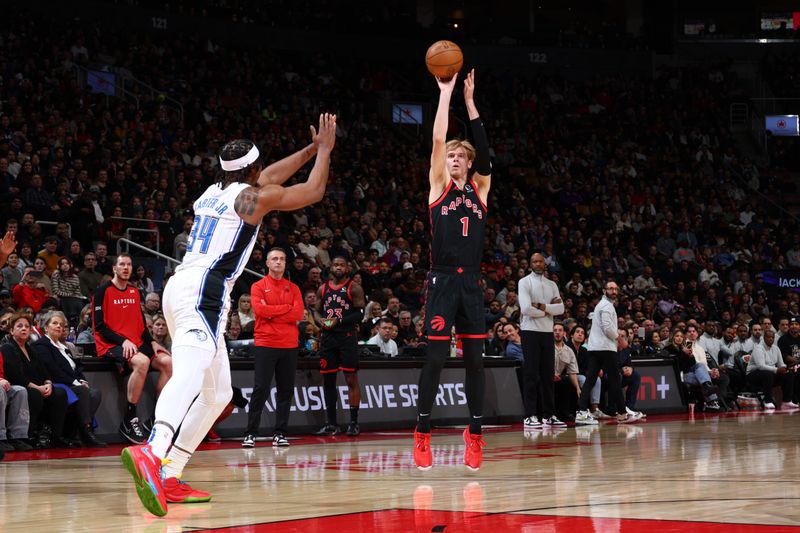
179	492
146	471
473	454
423	457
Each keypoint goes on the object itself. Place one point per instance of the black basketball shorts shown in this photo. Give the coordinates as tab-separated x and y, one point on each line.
338	352
454	300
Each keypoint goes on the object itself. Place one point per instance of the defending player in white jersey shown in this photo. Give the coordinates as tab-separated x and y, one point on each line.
197	299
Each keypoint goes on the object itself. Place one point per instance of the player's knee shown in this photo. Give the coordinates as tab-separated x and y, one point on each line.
139	363
163	363
224	396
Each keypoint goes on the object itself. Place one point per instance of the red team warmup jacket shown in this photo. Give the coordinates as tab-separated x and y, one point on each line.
116	316
278	306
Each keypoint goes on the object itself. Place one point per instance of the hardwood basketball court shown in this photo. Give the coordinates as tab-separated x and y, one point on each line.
735	472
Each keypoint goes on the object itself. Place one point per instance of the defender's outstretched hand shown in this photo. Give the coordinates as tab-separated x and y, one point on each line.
469	86
325	138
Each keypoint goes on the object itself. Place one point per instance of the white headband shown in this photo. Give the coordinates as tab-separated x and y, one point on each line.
238	164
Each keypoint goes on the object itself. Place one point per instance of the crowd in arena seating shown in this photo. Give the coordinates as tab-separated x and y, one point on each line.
627	178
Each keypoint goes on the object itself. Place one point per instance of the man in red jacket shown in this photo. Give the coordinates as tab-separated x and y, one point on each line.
278	306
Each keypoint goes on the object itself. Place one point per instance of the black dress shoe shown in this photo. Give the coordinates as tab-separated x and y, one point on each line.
328	430
61	442
20	445
90	440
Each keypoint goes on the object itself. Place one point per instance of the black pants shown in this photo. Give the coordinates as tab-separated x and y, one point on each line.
737	379
51	409
539	351
723	385
88	401
282	362
607	361
566	399
763	381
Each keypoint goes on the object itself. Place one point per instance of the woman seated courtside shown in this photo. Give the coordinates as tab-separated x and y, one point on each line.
160	332
66	372
47	404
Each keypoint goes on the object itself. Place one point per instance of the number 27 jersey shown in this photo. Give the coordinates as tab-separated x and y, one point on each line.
458	226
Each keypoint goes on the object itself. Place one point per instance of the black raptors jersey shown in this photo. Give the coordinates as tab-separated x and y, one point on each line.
335	304
458	225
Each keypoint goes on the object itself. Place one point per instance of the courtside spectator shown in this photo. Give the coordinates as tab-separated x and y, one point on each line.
120	332
47	404
65	371
766	368
383	338
567	389
513	342
789	345
14	415
692	363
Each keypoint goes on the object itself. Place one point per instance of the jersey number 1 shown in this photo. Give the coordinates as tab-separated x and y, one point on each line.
202	230
464	226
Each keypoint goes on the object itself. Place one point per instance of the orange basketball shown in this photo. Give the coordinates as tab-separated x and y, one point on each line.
444	59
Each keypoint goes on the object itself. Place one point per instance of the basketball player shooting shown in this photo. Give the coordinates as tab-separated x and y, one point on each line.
197	300
460	178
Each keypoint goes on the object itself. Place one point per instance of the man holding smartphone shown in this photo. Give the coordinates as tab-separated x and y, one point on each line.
30	291
696	370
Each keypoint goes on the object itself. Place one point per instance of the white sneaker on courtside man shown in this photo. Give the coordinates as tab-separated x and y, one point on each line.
585	418
531	422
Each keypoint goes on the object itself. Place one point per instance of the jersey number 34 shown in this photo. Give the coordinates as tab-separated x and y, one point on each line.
202	231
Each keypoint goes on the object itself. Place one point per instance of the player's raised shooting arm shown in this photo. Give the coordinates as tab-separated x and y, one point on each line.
438	172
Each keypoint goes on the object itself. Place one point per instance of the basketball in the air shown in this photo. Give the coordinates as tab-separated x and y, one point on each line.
444	59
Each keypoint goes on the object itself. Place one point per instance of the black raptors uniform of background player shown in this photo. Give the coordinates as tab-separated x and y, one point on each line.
340	307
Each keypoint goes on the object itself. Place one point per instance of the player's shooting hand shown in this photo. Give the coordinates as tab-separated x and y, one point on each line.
325	138
447	85
469	85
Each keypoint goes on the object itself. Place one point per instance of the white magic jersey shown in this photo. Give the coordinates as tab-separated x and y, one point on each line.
217	251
